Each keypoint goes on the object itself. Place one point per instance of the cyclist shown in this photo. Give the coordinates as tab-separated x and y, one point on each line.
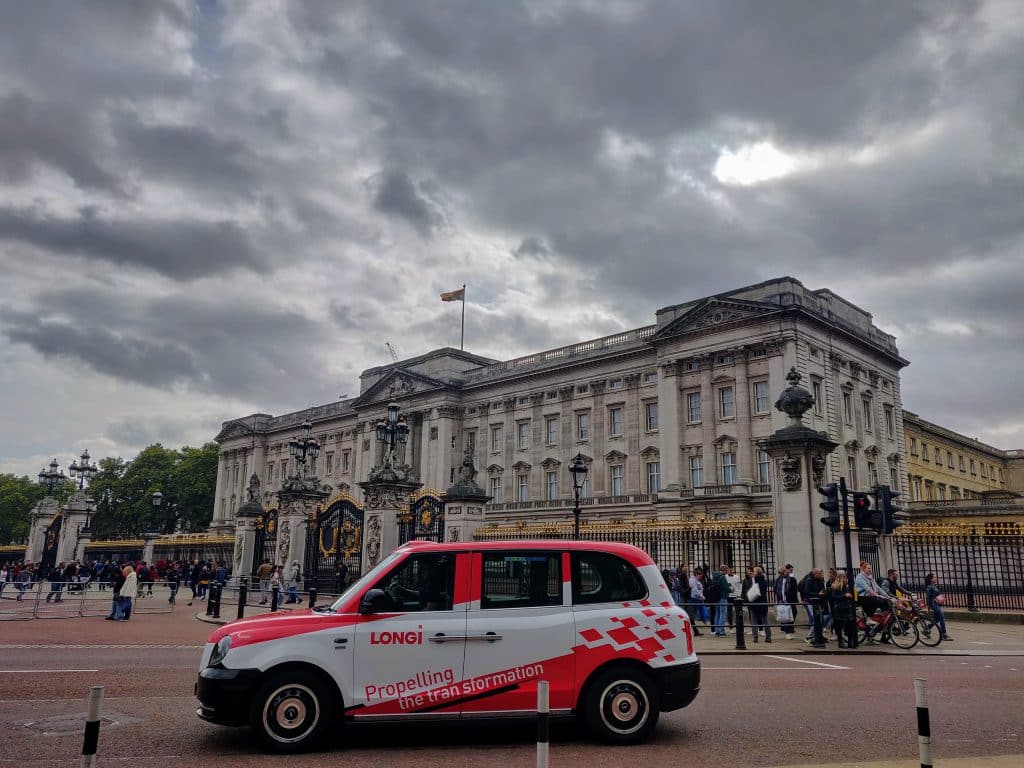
870	594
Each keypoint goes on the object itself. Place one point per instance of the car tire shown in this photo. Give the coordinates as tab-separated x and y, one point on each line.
621	705
290	710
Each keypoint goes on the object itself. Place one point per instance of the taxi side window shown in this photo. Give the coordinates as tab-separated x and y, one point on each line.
521	580
423	582
600	577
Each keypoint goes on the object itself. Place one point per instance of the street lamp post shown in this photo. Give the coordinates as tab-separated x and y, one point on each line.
390	431
51	479
83	470
578	470
157	501
304	449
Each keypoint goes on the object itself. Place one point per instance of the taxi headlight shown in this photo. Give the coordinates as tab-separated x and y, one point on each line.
220	650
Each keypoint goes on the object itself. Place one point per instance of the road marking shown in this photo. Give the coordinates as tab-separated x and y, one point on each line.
770	669
41	671
802	661
53	646
980	642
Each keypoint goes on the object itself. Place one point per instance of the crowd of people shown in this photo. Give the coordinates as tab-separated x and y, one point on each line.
828	598
129	581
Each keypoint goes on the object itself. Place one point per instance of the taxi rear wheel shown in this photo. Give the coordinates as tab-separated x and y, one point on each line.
290	711
621	706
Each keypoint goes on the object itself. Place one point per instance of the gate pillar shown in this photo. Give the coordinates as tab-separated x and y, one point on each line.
77	511
42	515
247	520
295	510
464	503
798	457
385	501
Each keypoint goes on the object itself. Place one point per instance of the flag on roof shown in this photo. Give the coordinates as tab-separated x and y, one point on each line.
458	295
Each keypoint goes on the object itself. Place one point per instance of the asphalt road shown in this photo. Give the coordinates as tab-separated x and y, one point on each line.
754	710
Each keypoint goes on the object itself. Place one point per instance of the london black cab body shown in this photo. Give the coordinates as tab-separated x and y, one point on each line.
463	630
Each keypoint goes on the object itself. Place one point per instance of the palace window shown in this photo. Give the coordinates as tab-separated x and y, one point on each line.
653	476
471	440
346	457
866	404
615	383
961	462
696	471
651	416
582	426
551	486
949	459
890	422
847	408
942	492
284	468
764	468
650	377
761	397
894	479
925	454
551	430
872	473
983	473
616	477
496	438
916	488
522	434
913	447
615	421
693	407
972	467
728	468
726	403
851	471
819	401
522	487
270	473
496	490
330	464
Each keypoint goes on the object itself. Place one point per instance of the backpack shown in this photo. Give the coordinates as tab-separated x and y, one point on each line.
713	591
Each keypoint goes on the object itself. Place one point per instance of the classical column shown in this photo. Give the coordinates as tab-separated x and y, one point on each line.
799	458
745	470
669	426
708	413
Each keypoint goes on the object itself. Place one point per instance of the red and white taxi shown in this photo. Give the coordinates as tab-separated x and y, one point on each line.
463	630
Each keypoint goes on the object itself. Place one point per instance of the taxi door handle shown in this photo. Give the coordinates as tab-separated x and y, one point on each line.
441	637
341	643
488	637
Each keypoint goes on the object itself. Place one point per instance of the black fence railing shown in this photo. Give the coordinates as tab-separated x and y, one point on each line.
974	570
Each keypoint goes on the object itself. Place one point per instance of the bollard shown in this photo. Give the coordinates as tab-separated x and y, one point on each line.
924	728
741	640
543	711
209	601
243	592
275	596
819	636
312	598
216	604
92	727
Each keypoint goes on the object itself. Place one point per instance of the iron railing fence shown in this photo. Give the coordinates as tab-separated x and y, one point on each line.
974	570
72	600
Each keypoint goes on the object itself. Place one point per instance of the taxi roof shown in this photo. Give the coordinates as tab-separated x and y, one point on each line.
634	555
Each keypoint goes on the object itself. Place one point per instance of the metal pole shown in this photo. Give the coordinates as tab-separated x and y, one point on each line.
924	728
243	592
576	518
92	727
462	336
741	641
848	547
543	711
312	598
970	583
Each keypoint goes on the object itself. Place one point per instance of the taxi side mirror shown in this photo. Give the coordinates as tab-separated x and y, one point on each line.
373	601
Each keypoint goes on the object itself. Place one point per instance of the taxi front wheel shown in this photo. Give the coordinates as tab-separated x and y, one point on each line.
290	710
621	706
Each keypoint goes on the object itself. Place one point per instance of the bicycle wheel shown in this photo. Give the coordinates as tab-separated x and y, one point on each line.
903	633
927	632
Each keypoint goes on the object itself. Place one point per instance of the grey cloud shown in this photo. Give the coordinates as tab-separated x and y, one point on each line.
55	135
179	249
394	193
531	246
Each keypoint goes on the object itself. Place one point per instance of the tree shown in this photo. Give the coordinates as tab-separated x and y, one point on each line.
17	497
195	486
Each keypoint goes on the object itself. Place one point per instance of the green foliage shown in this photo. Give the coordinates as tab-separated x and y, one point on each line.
123	491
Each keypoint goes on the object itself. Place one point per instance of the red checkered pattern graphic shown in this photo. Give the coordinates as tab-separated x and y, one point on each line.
663	630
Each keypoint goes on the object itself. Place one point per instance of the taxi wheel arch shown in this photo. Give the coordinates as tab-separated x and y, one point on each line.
293	707
619	702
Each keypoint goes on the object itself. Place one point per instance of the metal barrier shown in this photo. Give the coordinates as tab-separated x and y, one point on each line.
73	600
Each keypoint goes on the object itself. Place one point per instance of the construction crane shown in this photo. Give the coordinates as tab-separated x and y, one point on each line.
391	350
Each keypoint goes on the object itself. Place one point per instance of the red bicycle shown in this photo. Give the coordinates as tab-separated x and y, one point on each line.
896	624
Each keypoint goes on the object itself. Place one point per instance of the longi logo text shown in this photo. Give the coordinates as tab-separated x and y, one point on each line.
397	638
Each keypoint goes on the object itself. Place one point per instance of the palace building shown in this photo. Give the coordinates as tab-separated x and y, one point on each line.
668	417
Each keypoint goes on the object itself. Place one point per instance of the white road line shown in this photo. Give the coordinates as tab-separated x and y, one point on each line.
828	668
802	661
41	671
54	646
980	642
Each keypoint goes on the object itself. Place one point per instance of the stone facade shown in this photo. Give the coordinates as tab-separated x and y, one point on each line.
670	417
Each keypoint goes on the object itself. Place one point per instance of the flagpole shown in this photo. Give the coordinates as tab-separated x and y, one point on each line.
462	337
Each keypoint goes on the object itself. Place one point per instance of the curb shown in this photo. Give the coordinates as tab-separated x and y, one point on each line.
210	620
985	618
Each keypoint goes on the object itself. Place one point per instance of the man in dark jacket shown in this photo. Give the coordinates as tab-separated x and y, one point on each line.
786	592
812	592
720	592
116	582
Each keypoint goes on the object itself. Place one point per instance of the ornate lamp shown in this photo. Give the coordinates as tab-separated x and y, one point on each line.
578	470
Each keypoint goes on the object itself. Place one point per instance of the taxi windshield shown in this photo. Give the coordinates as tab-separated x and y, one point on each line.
366	578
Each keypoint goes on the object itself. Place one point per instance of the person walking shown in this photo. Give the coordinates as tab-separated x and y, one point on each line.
23	581
812	593
294	580
341	574
193	579
263	573
276	581
840	597
686	597
735	583
697	595
935	600
719	596
754	589
786	594
116	582
173	577
129	592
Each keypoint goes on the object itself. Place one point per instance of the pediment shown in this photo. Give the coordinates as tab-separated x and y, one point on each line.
615	456
396	384
713	313
233	430
522	466
551	463
650	451
495	469
852	445
893	458
723	439
872	451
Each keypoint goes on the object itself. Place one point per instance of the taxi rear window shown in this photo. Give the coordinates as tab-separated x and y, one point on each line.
601	577
521	579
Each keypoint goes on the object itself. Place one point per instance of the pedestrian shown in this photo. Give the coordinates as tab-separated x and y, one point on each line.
173	582
672	582
840	596
23	581
276	580
869	593
812	592
204	580
718	597
129	592
294	580
56	579
193	579
341	575
754	589
116	582
5	576
263	574
735	584
935	600
786	594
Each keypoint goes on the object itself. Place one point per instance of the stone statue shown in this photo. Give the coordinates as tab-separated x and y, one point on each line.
465	483
254	489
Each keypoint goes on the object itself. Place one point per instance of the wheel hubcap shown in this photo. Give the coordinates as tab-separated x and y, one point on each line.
291	713
624	707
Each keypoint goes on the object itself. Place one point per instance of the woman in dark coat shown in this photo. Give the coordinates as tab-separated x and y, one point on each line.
759	605
840	596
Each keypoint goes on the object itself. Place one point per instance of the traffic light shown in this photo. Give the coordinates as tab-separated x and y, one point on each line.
889	512
862	515
830	505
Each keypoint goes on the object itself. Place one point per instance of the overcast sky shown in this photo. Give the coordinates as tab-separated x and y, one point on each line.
209	209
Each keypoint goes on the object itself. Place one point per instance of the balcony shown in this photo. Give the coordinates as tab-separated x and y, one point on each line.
967	507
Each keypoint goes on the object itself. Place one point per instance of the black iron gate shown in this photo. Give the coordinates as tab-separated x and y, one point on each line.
50	545
424	520
335	538
266	540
